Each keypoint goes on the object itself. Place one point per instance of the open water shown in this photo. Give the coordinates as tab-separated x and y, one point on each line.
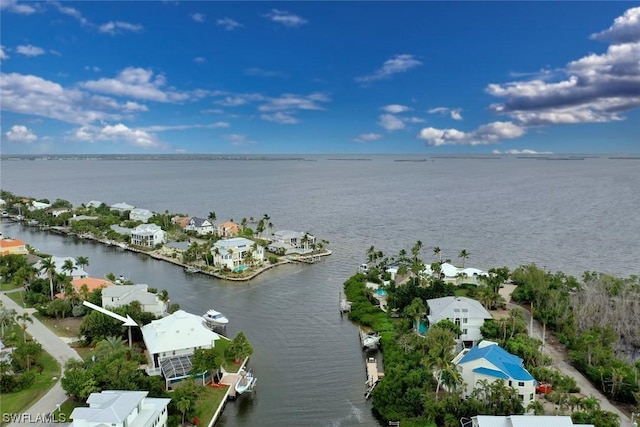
570	216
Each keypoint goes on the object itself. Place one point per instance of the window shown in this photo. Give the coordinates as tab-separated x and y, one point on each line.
521	397
510	384
531	396
464	332
520	384
465	320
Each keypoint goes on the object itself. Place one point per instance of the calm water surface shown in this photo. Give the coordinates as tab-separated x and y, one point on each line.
564	215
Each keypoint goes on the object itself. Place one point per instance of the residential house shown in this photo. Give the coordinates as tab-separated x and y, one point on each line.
77	272
56	212
456	275
468	314
36	206
288	241
94	204
147	235
139	214
521	421
181	221
121	207
13	247
171	342
92	284
228	229
117	408
201	226
489	362
118	296
232	253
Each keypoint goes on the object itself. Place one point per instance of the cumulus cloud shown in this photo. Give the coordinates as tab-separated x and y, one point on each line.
118	27
486	134
33	95
285	18
238	140
14	7
70	11
19	133
454	113
297	102
363	138
283	117
236	100
139	83
395	65
391	122
115	133
30	50
228	23
3	55
625	28
198	17
395	108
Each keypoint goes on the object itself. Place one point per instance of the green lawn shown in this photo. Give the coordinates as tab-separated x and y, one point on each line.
208	402
7	286
17	297
68	327
20	401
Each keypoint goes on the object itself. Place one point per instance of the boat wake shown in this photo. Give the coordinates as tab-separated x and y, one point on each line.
354	414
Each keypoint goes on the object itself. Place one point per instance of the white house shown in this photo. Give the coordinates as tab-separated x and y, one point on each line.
94	204
117	408
488	361
77	272
232	253
117	296
291	242
201	226
147	235
522	421
172	340
456	275
36	206
139	214
121	207
468	314
56	212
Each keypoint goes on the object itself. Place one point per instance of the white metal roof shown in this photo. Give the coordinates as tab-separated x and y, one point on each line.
180	330
525	421
456	307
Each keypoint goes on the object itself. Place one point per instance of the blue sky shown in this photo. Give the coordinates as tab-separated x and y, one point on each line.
319	77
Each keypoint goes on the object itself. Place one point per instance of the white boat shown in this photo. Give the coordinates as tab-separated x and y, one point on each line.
215	318
245	381
191	269
370	340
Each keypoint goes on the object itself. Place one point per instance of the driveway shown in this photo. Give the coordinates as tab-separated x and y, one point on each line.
58	349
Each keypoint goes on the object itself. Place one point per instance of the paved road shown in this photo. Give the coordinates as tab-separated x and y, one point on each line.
57	348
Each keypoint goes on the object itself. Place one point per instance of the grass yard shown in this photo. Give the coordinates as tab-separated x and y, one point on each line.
68	327
208	402
7	286
20	401
17	297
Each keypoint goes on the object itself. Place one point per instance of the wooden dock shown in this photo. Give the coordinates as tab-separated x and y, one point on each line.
345	306
373	376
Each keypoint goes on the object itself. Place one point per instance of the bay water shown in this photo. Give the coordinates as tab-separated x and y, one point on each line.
570	216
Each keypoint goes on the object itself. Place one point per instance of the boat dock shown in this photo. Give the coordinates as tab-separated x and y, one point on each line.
345	306
373	376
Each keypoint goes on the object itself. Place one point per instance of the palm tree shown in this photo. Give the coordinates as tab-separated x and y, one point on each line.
463	254
49	268
183	405
536	407
416	310
23	319
212	216
436	251
6	317
110	346
82	261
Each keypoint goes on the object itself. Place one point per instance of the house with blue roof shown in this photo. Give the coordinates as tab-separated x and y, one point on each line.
489	362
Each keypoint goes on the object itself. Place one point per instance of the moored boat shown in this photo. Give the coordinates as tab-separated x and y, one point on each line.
370	340
214	318
191	269
245	382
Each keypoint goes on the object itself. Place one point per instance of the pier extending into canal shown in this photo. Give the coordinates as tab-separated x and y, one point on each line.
373	376
345	306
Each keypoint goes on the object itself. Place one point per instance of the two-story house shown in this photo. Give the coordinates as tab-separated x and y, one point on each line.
468	314
288	241
228	229
117	296
139	214
147	235
202	226
117	408
232	253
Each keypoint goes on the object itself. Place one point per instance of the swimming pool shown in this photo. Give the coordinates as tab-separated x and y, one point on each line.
240	269
381	292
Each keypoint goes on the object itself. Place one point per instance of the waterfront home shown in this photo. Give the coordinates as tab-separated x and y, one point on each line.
94	204
202	226
121	230
118	408
171	342
13	247
521	421
456	275
121	207
147	235
489	362
77	272
468	314
56	212
180	221
118	296
228	229
92	284
139	214
36	206
75	218
287	242
232	253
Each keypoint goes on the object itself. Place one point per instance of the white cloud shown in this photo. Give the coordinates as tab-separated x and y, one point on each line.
297	102
413	120
19	133
139	83
163	128
14	7
625	28
118	132
486	134
524	151
285	18
199	59
213	111
198	17
391	122
454	113
397	64
283	117
238	140
367	137
30	50
70	11
395	108
240	99
33	95
3	55
254	71
94	68
118	27
228	23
